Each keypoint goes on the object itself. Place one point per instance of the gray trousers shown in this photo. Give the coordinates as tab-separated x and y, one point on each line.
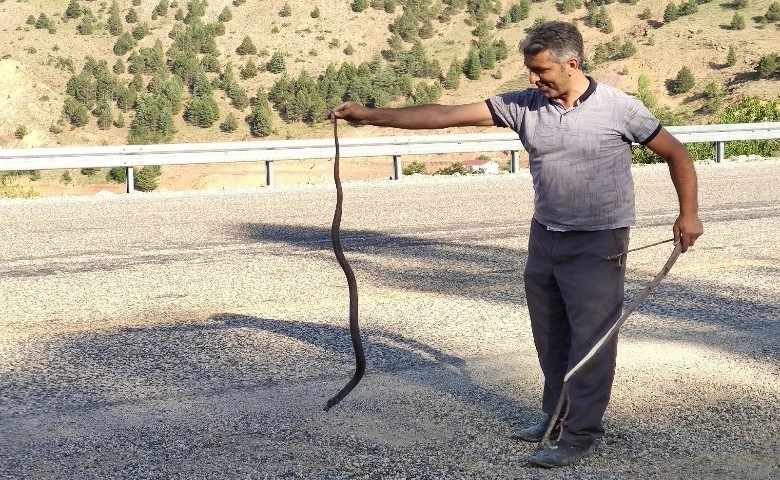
574	296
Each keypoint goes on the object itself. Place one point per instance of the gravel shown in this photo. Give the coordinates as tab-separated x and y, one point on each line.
198	335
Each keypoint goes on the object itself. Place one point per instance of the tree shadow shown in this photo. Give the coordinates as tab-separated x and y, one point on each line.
447	264
469	267
230	353
744	77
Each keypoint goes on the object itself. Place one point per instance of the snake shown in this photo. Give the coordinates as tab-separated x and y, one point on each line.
338	251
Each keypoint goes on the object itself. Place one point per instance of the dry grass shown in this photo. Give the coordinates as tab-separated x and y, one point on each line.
32	87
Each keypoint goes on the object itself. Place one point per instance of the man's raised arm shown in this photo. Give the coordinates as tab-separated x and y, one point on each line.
429	116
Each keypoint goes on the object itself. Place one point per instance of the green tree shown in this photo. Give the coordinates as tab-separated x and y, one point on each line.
671	13
713	95
249	70
731	57
683	82
688	7
472	67
162	8
276	64
73	10
114	22
226	15
147	178
359	5
773	12
286	10
452	80
201	111
646	14
152	123
124	44
131	16
737	22
260	120
247	47
119	67
315	13
75	111
767	65
230	124
644	94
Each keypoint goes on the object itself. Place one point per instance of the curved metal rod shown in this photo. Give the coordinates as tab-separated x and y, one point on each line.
335	239
607	336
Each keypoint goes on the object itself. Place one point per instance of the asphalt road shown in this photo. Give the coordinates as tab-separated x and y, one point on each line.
198	335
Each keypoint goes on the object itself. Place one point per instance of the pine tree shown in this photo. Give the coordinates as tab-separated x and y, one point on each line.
226	15
452	80
276	63
114	23
671	13
73	10
230	124
132	16
260	120
684	81
247	47
768	65
737	22
472	67
773	12
731	57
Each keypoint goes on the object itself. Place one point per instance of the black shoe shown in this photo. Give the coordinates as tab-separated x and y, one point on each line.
535	433
560	454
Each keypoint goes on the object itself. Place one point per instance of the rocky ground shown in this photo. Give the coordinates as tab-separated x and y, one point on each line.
199	335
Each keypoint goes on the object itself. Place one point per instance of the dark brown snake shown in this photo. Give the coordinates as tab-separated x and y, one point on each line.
335	239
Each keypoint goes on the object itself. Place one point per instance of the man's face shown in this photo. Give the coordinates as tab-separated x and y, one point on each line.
552	79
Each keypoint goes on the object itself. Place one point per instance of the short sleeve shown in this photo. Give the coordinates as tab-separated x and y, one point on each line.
641	125
508	108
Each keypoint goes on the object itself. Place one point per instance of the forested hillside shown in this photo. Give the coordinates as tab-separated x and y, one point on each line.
85	72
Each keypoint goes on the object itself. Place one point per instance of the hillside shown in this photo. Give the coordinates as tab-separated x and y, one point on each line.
34	63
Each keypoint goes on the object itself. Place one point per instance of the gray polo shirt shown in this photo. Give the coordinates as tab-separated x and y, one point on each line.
580	158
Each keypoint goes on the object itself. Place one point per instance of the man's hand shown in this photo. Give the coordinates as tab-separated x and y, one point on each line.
349	111
687	229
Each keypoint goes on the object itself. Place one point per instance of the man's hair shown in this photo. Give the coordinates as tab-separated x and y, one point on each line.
562	39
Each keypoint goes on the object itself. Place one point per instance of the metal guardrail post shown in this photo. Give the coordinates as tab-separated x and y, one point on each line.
129	182
513	161
397	170
719	151
269	173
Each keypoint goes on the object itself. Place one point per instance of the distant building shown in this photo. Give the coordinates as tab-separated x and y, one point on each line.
484	166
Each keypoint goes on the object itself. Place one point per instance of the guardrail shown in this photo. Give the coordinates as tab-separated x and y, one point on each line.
130	156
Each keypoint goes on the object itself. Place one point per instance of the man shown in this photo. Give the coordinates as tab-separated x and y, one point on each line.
578	135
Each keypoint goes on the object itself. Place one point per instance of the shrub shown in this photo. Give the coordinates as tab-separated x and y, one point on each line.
359	5
737	22
147	178
455	168
230	124
116	174
88	172
773	12
66	178
414	167
315	13
226	15
21	132
286	10
671	13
